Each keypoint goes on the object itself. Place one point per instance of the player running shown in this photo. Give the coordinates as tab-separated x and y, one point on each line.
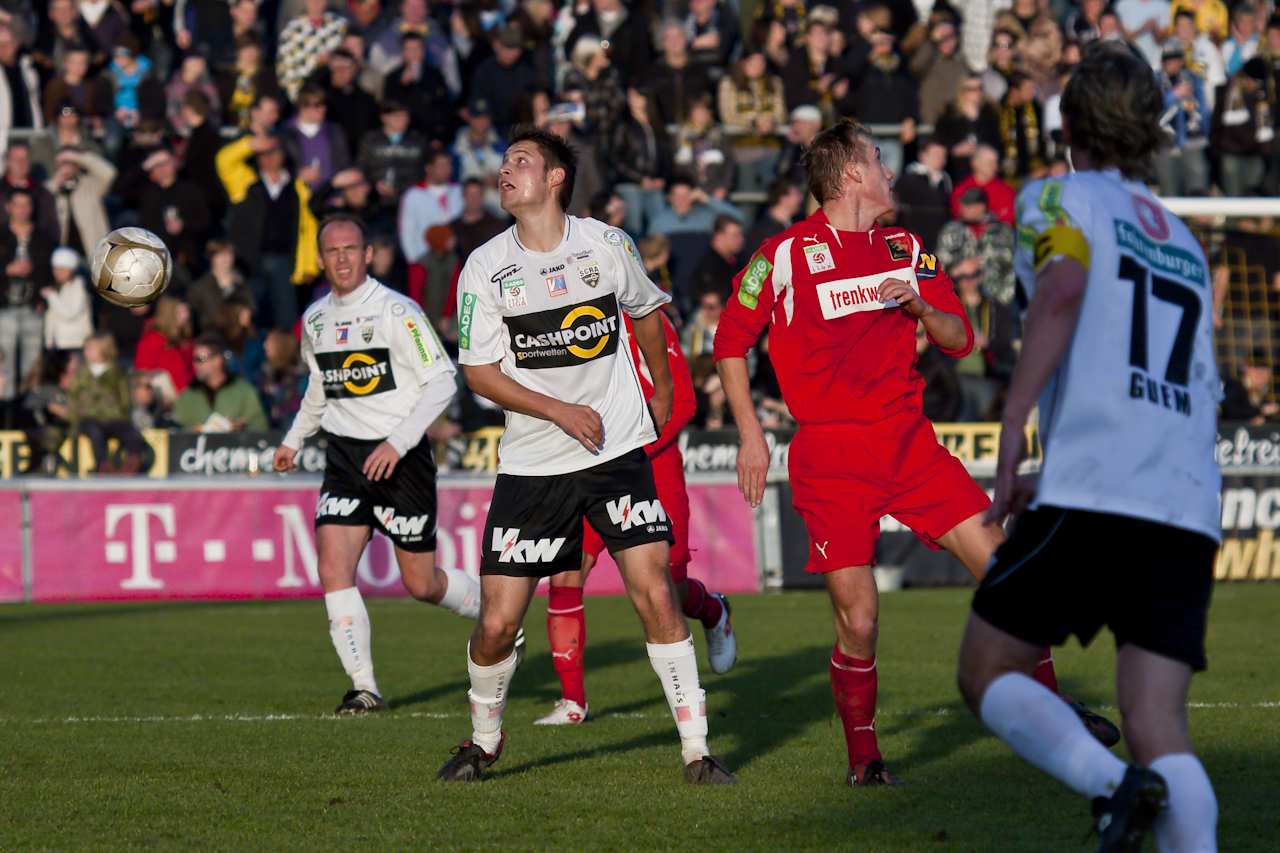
1123	522
378	379
540	333
842	299
566	620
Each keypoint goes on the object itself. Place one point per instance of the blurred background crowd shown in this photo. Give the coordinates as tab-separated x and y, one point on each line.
231	127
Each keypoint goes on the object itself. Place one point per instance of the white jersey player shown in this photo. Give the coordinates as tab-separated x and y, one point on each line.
1123	527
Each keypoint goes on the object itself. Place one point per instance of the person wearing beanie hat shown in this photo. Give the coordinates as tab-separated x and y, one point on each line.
1242	130
68	321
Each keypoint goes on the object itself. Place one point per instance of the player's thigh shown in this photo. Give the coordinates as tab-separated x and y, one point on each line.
973	542
622	504
344	512
534	527
986	653
338	550
933	493
404	504
840	507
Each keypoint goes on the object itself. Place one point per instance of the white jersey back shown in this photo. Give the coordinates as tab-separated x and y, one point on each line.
552	321
1128	422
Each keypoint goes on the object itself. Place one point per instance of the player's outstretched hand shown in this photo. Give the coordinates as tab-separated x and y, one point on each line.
283	460
1009	494
583	423
896	289
753	466
381	462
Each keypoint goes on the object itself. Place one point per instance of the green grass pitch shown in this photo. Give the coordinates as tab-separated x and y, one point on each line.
207	726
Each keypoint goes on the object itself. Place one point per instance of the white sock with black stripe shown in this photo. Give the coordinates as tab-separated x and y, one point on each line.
349	628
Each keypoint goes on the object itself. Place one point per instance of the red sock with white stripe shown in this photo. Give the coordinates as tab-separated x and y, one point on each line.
1044	672
853	684
702	605
567	631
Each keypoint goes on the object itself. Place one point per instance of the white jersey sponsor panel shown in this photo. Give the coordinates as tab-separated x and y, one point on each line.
553	322
370	354
1129	420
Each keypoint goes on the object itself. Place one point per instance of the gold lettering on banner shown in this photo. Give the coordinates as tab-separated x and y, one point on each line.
980	442
482	450
15	453
1249	559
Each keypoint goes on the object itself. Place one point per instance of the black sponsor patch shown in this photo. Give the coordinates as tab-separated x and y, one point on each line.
564	337
356	374
899	246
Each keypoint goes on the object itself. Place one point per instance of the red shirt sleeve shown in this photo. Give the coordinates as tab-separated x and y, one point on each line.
750	307
684	403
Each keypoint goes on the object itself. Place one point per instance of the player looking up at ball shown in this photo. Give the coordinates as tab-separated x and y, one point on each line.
540	332
379	378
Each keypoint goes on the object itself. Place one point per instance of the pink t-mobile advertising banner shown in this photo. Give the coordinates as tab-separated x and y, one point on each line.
169	543
10	546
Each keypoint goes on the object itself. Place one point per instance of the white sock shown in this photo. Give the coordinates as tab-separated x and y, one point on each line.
677	667
488	694
461	594
1188	825
349	628
1042	729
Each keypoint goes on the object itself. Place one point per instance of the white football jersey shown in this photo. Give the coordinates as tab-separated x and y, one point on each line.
370	353
553	323
1128	421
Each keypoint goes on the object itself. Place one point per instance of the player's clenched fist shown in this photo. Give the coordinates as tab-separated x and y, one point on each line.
893	288
283	460
583	423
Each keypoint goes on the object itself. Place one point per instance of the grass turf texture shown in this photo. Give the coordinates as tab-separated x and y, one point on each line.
177	726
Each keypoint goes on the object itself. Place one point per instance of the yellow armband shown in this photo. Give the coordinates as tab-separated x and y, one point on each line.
1062	241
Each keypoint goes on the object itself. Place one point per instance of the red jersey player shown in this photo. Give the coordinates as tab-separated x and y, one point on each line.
566	624
842	299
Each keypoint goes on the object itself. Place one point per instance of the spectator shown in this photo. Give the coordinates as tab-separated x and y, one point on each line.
349	104
79	183
1042	54
90	96
704	150
282	379
68	322
700	332
923	191
753	104
148	409
316	145
176	211
392	158
201	24
712	27
387	50
506	75
17	175
715	272
979	18
99	407
609	207
306	43
937	64
1021	131
270	223
1145	23
655	252
1208	16
61	31
192	76
1242	131
19	85
349	191
782	206
806	121
138	94
200	155
1184	168
688	209
165	346
470	44
626	31
1243	43
681	80
436	200
1083	24
1000	196
218	400
883	93
809	75
439	266
108	23
220	284
638	158
243	87
478	151
978	242
593	81
388	264
422	89
1199	54
25	253
244	350
44	413
477	224
786	16
1244	397
65	132
967	122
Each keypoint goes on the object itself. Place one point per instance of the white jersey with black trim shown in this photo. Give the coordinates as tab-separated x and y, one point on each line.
552	322
377	369
1128	421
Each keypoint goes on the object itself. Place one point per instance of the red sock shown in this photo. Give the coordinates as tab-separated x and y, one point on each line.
702	605
853	683
1044	671
567	631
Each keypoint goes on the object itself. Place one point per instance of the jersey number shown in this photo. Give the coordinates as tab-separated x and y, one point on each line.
1166	290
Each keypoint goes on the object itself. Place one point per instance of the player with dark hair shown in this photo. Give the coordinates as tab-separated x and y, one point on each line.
1119	351
540	332
379	378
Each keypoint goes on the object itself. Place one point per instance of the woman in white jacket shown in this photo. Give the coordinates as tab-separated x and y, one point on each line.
68	321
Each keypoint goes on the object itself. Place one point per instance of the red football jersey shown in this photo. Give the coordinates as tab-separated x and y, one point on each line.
842	356
683	405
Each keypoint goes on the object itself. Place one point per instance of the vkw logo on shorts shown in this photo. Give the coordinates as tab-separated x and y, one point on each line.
512	549
627	515
335	506
565	337
407	527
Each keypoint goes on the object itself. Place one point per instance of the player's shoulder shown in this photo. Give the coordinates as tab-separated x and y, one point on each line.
1076	197
315	312
601	233
816	232
397	304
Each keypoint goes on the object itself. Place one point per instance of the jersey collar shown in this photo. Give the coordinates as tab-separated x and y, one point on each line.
355	297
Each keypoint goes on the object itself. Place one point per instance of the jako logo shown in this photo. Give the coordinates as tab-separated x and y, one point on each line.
512	549
401	525
627	515
336	506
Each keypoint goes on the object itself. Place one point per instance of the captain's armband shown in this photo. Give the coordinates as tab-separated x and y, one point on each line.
1061	241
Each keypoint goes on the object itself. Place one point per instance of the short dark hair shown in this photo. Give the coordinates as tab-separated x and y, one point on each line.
778	190
198	102
473	180
826	156
681	179
14	192
723	221
556	153
213	341
1111	108
335	218
1184	13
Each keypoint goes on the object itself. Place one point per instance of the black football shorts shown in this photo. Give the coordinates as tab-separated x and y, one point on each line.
1070	571
403	506
534	527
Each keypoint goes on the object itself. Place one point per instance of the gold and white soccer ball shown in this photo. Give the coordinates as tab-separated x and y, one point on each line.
130	266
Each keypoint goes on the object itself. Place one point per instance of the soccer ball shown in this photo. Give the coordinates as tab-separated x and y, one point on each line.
130	266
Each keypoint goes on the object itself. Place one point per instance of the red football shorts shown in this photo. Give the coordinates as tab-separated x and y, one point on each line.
844	480
668	475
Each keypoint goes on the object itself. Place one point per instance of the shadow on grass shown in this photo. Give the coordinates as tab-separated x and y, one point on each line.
18	615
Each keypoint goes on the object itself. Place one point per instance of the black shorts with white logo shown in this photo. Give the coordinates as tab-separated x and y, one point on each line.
1070	571
535	523
403	506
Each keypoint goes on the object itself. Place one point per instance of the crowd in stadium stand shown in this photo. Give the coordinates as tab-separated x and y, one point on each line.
230	128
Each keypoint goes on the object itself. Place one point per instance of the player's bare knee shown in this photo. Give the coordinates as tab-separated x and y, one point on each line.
856	630
423	588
